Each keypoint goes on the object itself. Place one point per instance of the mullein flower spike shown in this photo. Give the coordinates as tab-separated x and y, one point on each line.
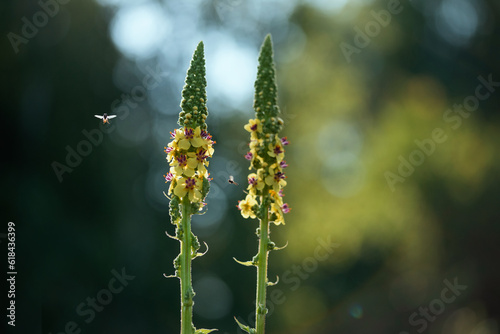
267	149
189	179
264	199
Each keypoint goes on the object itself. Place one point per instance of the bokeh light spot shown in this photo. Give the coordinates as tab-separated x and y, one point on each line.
457	21
356	311
213	297
232	66
138	30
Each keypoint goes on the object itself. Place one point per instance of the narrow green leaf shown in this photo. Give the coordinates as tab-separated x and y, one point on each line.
280	248
247	263
201	254
204	331
170	276
274	283
245	328
171	236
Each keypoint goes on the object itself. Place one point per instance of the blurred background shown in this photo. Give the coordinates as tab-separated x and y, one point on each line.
392	113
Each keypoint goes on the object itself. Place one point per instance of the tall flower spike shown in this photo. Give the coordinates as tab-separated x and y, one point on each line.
194	96
187	155
265	185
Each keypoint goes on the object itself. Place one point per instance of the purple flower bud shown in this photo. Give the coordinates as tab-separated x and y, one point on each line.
285	208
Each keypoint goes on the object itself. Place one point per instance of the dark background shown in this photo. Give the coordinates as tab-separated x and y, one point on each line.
350	121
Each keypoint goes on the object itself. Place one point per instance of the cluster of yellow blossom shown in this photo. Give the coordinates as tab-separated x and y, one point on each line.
266	156
187	155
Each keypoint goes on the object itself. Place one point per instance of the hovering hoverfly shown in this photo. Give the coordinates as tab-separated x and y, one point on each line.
231	180
105	118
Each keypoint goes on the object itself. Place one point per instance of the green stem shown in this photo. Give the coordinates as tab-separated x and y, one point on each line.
187	292
260	304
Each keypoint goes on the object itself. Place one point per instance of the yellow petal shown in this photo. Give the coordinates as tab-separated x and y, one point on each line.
197	142
179	134
192	162
270	180
201	169
184	144
178	170
194	195
180	190
189	172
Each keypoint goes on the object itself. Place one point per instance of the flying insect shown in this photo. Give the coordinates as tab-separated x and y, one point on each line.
105	118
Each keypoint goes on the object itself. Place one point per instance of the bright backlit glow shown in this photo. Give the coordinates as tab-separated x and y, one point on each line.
138	30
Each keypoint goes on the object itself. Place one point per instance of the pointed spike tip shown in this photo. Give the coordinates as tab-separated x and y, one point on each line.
194	95
268	40
200	49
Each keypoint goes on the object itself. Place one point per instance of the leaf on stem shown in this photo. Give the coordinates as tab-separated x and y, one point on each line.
245	328
280	248
274	283
170	276
171	236
204	331
201	254
247	263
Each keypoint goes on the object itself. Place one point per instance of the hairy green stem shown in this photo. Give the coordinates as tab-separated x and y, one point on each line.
187	292
260	303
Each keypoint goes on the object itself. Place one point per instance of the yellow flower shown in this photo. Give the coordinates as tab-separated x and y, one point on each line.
254	126
278	200
210	149
255	182
182	165
189	186
171	150
254	144
180	140
253	153
198	159
276	209
276	151
170	178
189	137
276	180
246	206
